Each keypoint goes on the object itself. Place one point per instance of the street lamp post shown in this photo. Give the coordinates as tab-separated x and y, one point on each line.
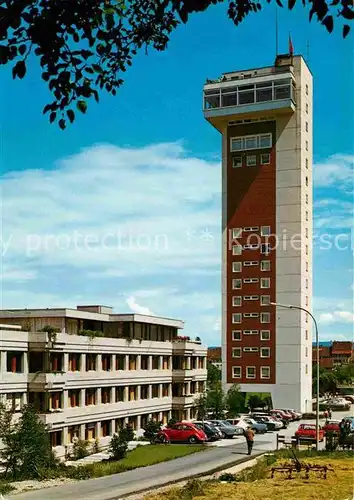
290	306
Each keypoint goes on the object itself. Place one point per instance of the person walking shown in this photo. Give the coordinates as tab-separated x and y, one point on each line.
249	435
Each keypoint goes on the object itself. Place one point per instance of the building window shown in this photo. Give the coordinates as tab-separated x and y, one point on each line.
250	280
236	232
236	372
236	335
265	371
251	229
265	141
236	249
236	352
307	89
265	265
265	282
237	161
250	332
251	246
306	334
307	215
307	283
265	334
306	232
250	372
307	145
265	300
265	230
265	248
306	352
250	297
306	181
265	317
306	370
251	160
237	318
307	163
249	263
306	266
265	352
251	315
307	198
237	267
307	108
307	126
236	284
237	301
251	142
265	159
250	349
307	249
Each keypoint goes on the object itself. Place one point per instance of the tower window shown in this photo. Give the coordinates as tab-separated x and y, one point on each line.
236	232
265	230
236	334
307	89
250	372
236	352
265	334
265	265
251	160
265	282
265	352
236	249
307	181
237	161
307	145
236	267
237	301
237	318
265	300
307	108
265	371
265	159
236	372
307	126
236	284
265	317
307	163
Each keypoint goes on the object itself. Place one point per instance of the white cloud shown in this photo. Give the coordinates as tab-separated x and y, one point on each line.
337	317
136	308
337	170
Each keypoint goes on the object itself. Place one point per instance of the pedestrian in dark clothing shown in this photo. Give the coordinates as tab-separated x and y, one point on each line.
249	435
329	413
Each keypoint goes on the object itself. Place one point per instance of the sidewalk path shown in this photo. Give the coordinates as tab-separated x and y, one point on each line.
117	486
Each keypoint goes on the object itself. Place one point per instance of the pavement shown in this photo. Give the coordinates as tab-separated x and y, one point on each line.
221	455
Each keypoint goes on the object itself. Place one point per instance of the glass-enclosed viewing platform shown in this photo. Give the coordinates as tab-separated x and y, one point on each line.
251	92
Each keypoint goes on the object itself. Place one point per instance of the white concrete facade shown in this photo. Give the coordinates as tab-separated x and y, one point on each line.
88	386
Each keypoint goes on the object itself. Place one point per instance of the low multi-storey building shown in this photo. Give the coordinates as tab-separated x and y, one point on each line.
334	353
214	356
98	371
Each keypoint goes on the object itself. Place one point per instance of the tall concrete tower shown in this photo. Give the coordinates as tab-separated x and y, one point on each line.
265	118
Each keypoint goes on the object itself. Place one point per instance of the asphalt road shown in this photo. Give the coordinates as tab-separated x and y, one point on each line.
118	485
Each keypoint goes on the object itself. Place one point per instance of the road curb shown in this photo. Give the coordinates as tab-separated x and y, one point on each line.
209	472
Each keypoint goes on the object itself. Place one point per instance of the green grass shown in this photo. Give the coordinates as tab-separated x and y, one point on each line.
5	488
143	456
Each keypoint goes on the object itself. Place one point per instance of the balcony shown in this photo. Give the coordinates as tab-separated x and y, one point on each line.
227	99
84	379
55	418
179	402
47	381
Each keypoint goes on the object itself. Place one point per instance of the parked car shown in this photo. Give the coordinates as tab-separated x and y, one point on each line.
271	426
297	415
280	417
307	432
244	422
331	426
349	397
284	415
335	404
228	430
212	433
269	418
184	432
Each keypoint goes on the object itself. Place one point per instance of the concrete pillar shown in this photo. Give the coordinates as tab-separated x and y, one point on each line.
114	362
98	430
126	363
188	413
113	427
138	422
82	397
24	366
65	436
99	363
126	394
189	363
150	391
113	394
138	362
160	391
82	431
149	363
24	399
66	362
98	395
160	362
83	363
138	392
3	367
65	401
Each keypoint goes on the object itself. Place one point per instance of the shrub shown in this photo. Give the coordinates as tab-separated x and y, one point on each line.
91	333
6	488
151	429
171	422
227	477
194	488
118	446
80	449
127	434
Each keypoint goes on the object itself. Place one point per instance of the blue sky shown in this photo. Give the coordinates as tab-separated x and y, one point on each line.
139	178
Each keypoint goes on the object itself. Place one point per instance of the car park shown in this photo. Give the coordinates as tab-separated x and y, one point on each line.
296	414
257	427
228	430
335	404
271	426
184	432
307	432
282	414
212	432
331	426
269	418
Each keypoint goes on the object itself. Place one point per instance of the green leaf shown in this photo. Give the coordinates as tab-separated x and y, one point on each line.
52	116
62	123
82	106
71	115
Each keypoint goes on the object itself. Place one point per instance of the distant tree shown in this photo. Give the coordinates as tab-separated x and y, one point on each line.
201	407
214	374
328	381
84	46
235	401
255	401
151	428
215	400
118	446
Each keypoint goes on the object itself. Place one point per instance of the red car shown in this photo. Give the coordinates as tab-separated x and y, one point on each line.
282	414
331	426
184	432
308	432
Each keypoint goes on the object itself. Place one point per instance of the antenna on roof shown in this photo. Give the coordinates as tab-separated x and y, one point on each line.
276	30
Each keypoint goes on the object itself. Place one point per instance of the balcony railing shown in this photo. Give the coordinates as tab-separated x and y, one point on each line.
223	97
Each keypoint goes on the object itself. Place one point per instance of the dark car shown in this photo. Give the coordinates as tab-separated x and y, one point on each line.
270	425
212	433
227	430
